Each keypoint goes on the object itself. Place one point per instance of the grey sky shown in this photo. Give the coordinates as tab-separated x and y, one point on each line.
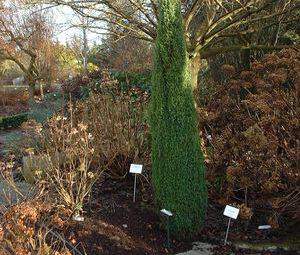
64	19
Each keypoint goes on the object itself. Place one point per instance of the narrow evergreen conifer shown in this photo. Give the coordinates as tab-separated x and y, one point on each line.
178	164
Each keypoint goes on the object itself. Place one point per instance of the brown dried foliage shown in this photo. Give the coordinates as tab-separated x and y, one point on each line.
13	102
23	230
117	123
252	138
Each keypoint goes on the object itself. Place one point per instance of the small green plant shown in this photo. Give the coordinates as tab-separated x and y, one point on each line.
128	80
13	121
41	111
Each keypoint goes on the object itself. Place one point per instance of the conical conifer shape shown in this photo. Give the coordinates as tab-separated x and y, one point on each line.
178	164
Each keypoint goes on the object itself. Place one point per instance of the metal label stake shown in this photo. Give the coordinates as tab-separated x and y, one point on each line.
232	213
227	231
134	188
135	169
167	214
168	232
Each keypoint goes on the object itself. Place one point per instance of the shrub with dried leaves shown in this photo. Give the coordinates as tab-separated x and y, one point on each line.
118	125
252	138
67	146
24	230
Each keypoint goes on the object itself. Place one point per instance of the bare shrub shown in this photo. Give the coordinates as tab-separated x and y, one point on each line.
68	148
119	129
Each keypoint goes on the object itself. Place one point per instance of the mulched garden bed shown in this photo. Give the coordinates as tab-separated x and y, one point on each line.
115	225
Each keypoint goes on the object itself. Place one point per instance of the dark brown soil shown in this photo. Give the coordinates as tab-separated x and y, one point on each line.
115	225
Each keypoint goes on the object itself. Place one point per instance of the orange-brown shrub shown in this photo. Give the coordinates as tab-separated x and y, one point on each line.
251	131
14	97
24	230
13	102
117	123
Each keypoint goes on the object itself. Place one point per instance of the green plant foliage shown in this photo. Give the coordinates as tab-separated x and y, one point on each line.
13	121
104	81
178	166
129	80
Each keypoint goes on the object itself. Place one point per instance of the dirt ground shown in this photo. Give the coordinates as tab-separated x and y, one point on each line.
115	225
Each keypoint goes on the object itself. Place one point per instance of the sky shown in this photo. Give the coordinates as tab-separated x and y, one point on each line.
64	18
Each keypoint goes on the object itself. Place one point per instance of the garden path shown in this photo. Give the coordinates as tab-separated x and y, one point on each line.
200	249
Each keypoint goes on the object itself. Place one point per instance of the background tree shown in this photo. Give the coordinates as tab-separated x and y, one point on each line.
67	61
8	71
208	23
47	64
178	167
23	33
126	54
80	43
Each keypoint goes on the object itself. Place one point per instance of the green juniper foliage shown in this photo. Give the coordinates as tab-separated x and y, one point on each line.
178	167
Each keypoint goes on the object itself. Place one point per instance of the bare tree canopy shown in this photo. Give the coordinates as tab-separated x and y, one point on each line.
212	27
24	39
207	22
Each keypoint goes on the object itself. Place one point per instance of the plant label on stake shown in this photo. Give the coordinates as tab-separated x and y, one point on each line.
135	169
168	214
77	217
232	213
264	227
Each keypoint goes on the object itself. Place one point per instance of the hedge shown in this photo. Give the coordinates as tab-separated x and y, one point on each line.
13	121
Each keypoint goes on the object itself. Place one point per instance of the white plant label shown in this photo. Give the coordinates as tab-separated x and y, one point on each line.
78	218
136	169
231	212
166	212
263	227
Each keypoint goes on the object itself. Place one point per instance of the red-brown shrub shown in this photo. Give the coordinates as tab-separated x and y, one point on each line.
14	97
24	230
251	132
116	120
13	102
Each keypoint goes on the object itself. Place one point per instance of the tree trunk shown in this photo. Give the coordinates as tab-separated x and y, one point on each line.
48	85
85	50
41	90
31	83
245	56
195	66
31	91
